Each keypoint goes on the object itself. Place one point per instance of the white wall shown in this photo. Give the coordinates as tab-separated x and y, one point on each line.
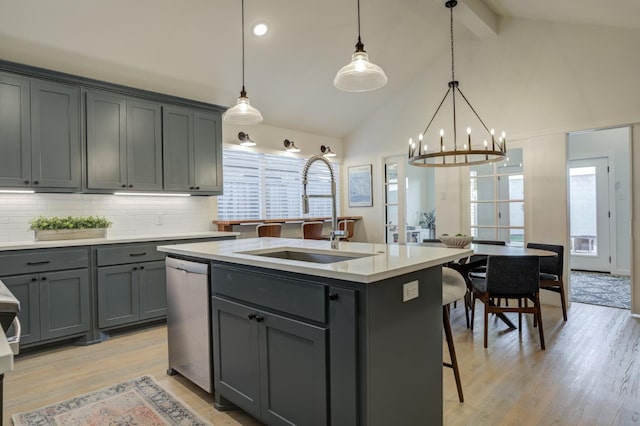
131	215
538	81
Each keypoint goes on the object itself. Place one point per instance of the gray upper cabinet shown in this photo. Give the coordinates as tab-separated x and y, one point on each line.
192	143
124	143
55	135
15	150
39	130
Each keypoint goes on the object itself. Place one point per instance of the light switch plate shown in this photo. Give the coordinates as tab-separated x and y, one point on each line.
410	291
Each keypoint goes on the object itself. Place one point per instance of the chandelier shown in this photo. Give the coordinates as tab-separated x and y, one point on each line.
440	152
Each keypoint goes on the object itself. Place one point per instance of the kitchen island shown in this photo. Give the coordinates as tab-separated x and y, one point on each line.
303	334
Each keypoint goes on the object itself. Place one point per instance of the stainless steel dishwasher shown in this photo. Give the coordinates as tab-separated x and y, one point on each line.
188	321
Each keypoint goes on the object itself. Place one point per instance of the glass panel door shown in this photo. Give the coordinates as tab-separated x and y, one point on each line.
393	227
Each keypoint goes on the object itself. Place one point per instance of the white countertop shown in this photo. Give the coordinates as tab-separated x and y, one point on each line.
115	240
386	261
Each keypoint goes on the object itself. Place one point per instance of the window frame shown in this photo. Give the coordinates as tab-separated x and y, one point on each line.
497	202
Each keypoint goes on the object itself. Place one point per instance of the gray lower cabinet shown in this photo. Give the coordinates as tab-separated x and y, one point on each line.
131	293
271	366
285	348
192	145
52	304
124	143
40	134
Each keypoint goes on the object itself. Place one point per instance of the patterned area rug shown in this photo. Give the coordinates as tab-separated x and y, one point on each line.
140	402
601	289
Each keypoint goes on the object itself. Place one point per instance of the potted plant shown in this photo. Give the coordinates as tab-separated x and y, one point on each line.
69	228
428	221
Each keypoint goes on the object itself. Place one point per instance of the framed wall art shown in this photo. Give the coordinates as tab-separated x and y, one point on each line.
360	192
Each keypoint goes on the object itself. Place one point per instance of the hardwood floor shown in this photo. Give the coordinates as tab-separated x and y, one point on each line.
589	374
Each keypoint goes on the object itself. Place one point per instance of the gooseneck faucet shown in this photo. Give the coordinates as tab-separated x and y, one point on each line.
335	234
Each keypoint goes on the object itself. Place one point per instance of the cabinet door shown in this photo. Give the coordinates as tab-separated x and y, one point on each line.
293	371
118	301
26	288
106	141
343	343
153	290
178	148
55	135
15	145
207	149
64	303
144	146
236	354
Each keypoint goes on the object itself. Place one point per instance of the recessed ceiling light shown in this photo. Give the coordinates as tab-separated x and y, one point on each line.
260	29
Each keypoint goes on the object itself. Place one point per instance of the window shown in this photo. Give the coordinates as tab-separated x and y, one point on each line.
269	186
497	200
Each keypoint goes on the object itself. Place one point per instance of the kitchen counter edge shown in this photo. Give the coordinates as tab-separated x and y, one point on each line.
386	261
27	245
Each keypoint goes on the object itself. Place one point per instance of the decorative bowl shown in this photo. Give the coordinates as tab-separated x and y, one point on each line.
459	241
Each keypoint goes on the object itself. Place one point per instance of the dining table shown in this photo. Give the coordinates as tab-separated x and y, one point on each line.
465	267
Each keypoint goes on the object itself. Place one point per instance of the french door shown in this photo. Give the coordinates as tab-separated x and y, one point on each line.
590	214
395	200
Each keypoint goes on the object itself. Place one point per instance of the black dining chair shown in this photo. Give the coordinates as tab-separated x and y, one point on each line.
551	272
481	260
510	277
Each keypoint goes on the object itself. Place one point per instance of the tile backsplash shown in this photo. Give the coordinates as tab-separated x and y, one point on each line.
131	215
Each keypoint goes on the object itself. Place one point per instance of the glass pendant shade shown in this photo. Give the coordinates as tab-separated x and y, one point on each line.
360	75
242	113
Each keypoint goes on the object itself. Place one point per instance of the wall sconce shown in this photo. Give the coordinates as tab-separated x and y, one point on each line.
290	146
326	151
245	140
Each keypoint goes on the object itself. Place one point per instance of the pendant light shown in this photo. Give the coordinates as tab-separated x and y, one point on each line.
360	75
242	113
437	153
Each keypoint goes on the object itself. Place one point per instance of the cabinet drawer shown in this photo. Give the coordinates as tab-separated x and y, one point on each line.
128	254
295	297
43	260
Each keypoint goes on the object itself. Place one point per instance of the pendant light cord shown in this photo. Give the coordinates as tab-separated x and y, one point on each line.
243	90
453	78
359	45
358	20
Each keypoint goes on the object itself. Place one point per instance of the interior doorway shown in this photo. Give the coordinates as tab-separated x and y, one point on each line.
589	223
599	181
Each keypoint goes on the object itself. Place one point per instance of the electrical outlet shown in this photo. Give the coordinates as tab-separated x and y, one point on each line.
410	291
159	220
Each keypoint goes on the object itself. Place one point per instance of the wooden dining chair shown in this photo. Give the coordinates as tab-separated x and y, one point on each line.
453	288
312	230
269	230
551	272
510	277
348	226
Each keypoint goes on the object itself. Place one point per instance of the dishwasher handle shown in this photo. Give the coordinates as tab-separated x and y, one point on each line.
187	266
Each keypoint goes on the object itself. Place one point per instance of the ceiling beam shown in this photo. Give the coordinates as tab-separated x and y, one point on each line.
477	17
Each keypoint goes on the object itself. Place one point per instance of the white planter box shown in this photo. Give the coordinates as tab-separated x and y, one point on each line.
69	234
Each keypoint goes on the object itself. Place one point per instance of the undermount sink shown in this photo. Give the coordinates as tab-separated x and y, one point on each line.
313	256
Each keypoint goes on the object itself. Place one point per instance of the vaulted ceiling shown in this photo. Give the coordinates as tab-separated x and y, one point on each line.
193	48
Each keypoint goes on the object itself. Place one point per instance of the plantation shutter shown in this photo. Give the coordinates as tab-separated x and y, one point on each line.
241	199
269	186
